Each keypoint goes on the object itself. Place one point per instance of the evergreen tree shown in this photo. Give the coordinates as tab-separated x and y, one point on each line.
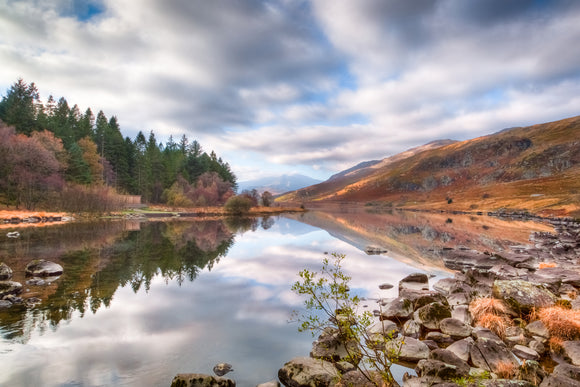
18	107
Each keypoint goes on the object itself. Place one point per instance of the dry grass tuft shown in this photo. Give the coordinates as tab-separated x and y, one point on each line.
561	323
544	265
505	370
495	323
487	305
556	344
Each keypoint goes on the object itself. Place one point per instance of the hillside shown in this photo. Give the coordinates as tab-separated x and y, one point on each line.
535	168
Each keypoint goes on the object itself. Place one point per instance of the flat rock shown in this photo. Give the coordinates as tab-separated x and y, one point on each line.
559	381
568	371
525	353
537	328
455	328
490	355
306	371
523	296
201	380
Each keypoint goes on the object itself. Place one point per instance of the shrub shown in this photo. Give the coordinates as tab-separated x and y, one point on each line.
238	205
329	294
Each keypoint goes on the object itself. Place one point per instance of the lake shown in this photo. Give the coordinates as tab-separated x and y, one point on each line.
142	301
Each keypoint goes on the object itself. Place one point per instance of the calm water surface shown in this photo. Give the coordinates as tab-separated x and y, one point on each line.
140	302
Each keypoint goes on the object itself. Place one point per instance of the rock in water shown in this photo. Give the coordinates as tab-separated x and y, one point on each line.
43	268
5	272
200	380
222	368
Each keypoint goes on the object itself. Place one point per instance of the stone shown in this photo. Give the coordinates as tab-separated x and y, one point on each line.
537	328
43	268
356	378
430	315
431	367
537	346
5	272
417	281
523	296
505	383
385	286
200	380
331	347
568	371
461	348
387	328
455	328
306	371
449	357
420	298
525	353
479	332
572	351
222	368
462	313
441	339
491	355
408	348
412	329
559	381
10	287
397	309
455	299
447	286
423	381
532	371
508	272
272	383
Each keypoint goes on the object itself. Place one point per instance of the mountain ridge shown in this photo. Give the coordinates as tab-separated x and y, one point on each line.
535	168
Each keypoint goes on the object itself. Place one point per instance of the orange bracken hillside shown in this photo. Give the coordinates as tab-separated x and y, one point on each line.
535	169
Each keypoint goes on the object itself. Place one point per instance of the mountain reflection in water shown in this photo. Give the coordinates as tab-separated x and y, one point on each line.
140	302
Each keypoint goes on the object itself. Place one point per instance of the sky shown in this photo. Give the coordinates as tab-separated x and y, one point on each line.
290	86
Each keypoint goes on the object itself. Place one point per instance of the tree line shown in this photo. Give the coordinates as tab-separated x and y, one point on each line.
51	150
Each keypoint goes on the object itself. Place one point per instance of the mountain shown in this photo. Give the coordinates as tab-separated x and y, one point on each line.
534	168
278	184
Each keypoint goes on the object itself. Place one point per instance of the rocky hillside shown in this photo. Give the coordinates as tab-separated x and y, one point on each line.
535	168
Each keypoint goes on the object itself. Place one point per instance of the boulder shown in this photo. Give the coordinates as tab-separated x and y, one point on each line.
386	328
272	383
330	346
5	304
449	357
479	332
200	380
505	383
430	315
462	313
412	329
461	348
490	355
43	268
559	381
441	339
431	367
356	378
532	371
222	368
408	348
523	296
5	272
455	299
447	286
568	371
10	287
416	281
397	309
537	328
572	351
455	328
307	372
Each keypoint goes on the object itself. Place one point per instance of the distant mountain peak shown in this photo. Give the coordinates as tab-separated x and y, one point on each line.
278	184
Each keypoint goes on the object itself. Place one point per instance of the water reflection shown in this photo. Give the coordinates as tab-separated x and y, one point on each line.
140	302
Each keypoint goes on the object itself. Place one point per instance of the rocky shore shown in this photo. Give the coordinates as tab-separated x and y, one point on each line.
505	319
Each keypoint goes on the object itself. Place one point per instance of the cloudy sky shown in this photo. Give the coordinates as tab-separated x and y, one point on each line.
311	87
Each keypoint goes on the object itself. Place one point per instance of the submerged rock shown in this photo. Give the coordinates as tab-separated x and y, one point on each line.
222	368
200	380
10	287
5	272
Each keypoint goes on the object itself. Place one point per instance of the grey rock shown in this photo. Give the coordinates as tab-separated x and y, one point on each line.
455	328
559	381
505	383
568	371
537	328
430	315
397	309
479	332
572	351
10	287
537	346
412	328
525	353
441	339
455	299
532	371
5	272
449	357
523	296
272	383
431	367
490	354
423	381
331	347
307	372
386	328
409	349
385	286
462	313
222	368
43	268
462	348
5	304
201	380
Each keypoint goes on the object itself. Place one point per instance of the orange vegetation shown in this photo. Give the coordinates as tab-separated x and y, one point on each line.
544	265
505	370
492	314
561	323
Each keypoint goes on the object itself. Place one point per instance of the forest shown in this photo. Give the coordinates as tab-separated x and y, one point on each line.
54	156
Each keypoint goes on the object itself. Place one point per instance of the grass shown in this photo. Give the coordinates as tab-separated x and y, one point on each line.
491	313
562	323
505	370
